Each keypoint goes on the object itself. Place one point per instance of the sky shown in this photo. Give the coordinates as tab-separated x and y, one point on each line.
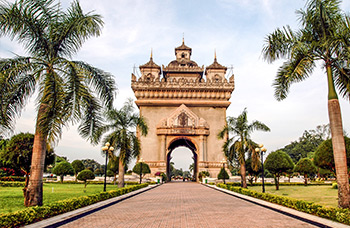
235	29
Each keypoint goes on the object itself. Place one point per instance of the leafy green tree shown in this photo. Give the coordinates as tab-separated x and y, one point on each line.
179	173
18	152
278	163
187	174
324	158
240	143
307	143
91	164
223	174
60	159
68	91
253	173
145	168
324	35
86	175
99	172
62	169
123	124
77	166
305	167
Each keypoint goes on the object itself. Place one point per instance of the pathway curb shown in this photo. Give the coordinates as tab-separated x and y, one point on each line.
62	219
313	219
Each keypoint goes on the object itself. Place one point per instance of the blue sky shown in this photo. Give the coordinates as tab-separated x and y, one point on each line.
234	28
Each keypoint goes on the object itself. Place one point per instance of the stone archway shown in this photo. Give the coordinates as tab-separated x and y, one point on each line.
183	100
185	142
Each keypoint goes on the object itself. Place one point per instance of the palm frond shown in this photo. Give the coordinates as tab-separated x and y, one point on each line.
278	44
298	68
74	28
100	81
17	84
341	74
92	120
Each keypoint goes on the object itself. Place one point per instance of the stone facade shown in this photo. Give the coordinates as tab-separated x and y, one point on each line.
183	108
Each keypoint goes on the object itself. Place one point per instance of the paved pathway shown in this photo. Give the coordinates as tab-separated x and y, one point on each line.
185	205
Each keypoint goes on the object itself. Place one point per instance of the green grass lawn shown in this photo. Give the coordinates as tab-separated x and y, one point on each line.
323	194
11	198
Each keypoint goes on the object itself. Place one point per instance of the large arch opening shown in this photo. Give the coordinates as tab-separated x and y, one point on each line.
182	142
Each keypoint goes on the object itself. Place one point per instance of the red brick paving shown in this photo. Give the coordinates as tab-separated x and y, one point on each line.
185	205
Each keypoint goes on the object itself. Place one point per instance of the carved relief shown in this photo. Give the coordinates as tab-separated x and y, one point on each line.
183	121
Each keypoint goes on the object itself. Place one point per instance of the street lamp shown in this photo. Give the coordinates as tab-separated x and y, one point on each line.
140	160
223	166
107	148
262	150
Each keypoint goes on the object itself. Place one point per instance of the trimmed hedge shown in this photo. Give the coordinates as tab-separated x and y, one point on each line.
11	184
37	213
332	213
281	184
98	182
12	178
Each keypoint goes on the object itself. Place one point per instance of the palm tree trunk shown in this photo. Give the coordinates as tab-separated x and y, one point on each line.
34	192
339	153
243	175
121	174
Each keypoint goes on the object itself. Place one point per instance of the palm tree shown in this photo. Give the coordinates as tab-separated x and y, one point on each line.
324	36
68	91
122	123
240	144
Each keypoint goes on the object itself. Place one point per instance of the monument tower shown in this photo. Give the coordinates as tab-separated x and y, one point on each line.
184	105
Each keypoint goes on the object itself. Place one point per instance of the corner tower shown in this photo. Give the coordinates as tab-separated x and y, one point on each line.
185	105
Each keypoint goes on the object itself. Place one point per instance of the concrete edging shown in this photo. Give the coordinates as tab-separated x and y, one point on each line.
312	219
67	217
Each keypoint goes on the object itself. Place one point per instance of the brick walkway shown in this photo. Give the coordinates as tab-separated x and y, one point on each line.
185	205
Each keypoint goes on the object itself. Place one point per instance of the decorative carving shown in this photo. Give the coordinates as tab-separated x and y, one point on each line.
183	122
183	119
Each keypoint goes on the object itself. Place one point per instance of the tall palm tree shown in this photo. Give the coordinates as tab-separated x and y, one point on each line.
324	35
123	124
68	91
236	147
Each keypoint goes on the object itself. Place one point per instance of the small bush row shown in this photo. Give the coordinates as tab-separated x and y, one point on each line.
97	182
11	184
332	213
12	178
37	213
281	184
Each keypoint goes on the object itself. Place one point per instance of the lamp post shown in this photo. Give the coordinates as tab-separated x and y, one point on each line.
107	148
140	160
262	150
223	166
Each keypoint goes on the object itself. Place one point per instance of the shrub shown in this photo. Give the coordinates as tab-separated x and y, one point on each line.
86	175
37	213
335	186
63	168
223	174
336	214
11	184
277	163
305	167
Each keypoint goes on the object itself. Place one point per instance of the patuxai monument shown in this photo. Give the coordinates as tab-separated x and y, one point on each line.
184	105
